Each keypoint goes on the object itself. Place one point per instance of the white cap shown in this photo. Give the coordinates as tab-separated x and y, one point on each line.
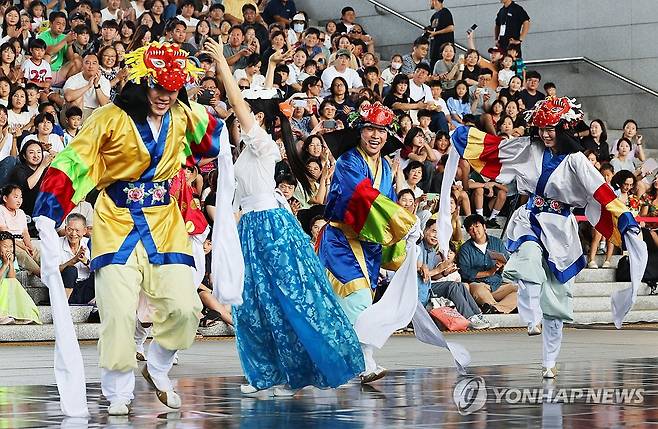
299	17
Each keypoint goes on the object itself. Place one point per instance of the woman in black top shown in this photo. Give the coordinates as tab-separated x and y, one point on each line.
597	141
512	92
29	173
340	96
471	71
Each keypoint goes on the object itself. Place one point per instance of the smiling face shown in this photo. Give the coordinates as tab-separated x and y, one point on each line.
547	135
313	170
316	227
33	155
372	140
315	148
478	233
160	100
407	202
45	127
430	235
515	83
75	230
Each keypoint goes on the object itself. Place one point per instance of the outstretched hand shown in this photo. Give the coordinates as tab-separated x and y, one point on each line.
214	48
279	56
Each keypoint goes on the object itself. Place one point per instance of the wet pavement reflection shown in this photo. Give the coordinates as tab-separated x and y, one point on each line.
600	394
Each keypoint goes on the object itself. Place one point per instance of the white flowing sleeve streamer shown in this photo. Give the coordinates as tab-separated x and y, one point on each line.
69	367
227	261
399	305
622	300
444	226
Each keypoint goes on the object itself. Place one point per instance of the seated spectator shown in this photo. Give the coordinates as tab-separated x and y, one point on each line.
8	66
296	31
597	140
82	44
111	71
320	178
18	115
550	89
459	105
441	277
235	51
215	18
417	56
8	148
127	31
362	39
50	142
496	192
278	43
142	37
481	261
287	185
109	33
112	11
471	71
317	223
530	95
608	173
251	72
410	177
490	119
32	93
512	92
327	120
398	97
344	42
340	69
506	73
88	89
480	95
29	173
296	68
391	71
372	81
73	117
14	221
446	68
630	133
74	261
62	63
16	305
37	70
518	123
623	160
250	39
187	9
250	18
439	106
302	125
505	127
279	11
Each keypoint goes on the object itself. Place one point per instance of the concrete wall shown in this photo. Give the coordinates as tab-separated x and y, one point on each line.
621	35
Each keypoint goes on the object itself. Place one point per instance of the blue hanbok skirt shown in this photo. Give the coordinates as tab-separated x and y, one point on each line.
290	328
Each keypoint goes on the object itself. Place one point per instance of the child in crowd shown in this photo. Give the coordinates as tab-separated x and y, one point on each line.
32	91
5	90
424	120
82	45
519	65
506	73
14	221
286	184
16	306
73	122
392	70
550	89
310	68
598	242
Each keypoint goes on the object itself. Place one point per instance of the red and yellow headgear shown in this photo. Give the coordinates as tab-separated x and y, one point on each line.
164	64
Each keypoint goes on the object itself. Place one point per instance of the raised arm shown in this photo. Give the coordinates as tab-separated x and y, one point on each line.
240	107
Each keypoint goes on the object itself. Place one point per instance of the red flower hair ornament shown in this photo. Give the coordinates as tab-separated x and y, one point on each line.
164	64
376	115
552	111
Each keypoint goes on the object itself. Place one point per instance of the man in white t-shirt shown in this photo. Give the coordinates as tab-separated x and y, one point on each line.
74	261
112	11
341	68
187	15
87	89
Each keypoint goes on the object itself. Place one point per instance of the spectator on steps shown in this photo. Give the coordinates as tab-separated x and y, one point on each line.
74	261
441	30
16	306
417	56
530	95
512	25
481	261
14	221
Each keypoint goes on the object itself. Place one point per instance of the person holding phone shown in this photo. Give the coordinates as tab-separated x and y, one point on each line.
440	31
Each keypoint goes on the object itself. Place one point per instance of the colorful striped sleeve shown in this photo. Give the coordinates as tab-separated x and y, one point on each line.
492	156
604	210
354	202
203	135
75	171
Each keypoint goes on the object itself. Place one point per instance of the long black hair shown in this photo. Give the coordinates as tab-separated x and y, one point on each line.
133	100
272	112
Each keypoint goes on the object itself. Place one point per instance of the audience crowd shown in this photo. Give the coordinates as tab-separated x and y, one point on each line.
61	60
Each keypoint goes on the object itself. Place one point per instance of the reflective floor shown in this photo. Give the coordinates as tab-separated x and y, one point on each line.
601	394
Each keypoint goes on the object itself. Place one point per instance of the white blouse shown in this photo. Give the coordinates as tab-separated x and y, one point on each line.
254	168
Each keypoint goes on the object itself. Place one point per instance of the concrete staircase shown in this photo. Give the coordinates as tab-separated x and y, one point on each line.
591	300
79	313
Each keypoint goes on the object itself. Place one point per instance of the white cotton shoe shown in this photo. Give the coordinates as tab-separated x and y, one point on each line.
479	322
606	264
379	372
175	359
592	264
168	397
248	389
534	329
549	372
284	391
118	409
